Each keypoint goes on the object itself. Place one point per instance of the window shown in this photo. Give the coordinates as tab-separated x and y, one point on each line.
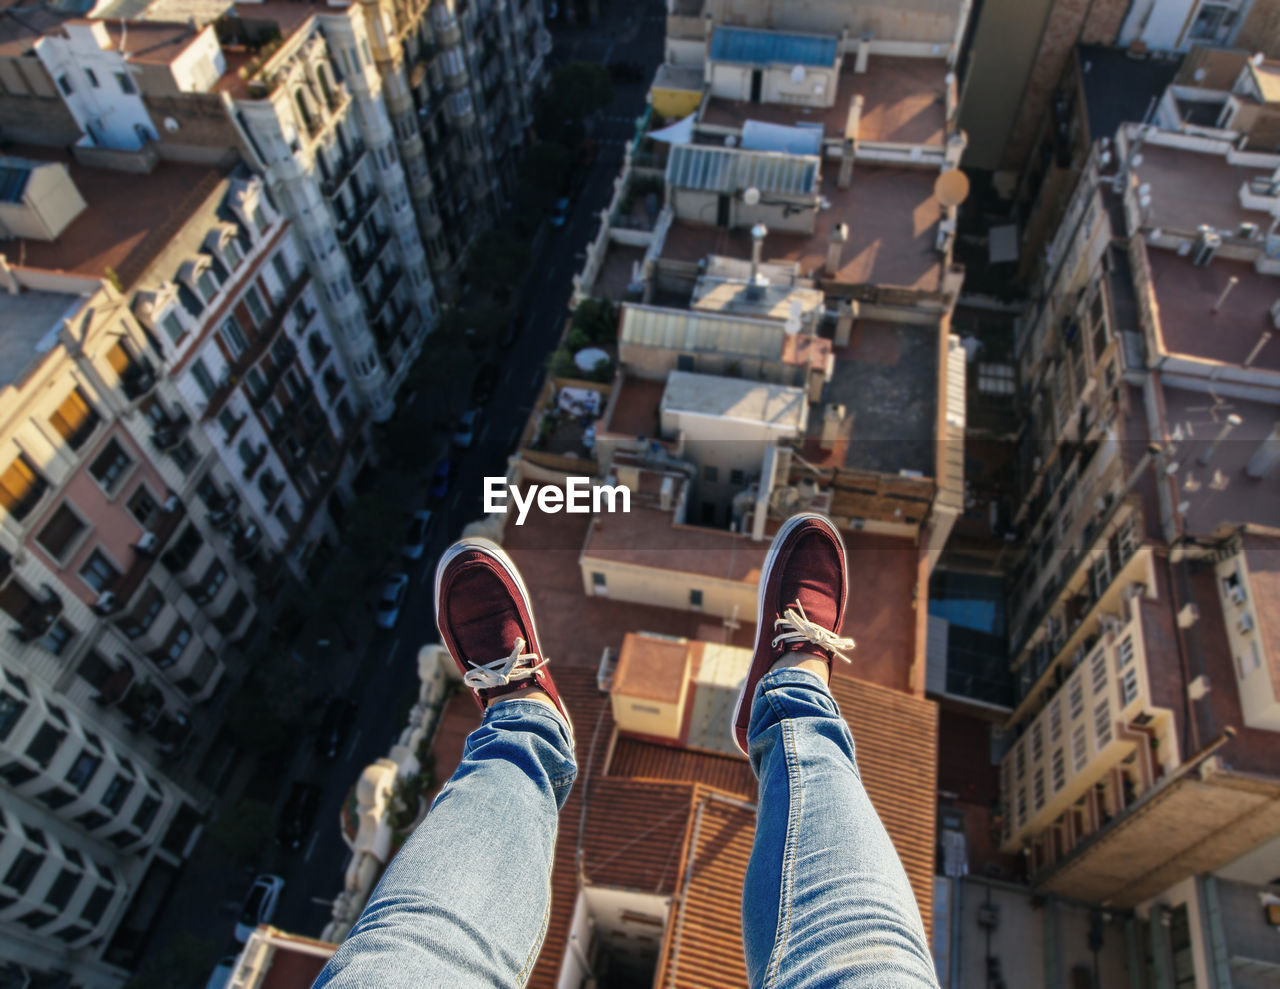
1102	724
91	820
597	579
123	839
187	546
169	653
172	327
146	813
231	252
15	773
63	889
260	221
996	379
110	466
1037	742
184	456
1129	687
11	710
207	286
35	919
93	78
57	713
233	336
21	487
737	478
117	792
55	797
257	382
1079	748
1124	653
1099	669
1020	769
1022	805
1037	784
57	638
125	83
23	870
1055	720
84	769
142	506
61	532
212	583
1075	697
203	378
74	419
96	905
64	83
145	614
99	572
95	670
72	933
254	301
710	473
1059	765
695	599
44	746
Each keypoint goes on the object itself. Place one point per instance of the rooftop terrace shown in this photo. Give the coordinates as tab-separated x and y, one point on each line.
127	222
904	102
1185	295
1189	189
892	216
30	320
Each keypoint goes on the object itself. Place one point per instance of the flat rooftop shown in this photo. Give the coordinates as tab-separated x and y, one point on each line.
1221	492
1262	556
903	102
740	399
148	42
887	380
1185	294
22	24
30	322
128	220
892	216
1189	189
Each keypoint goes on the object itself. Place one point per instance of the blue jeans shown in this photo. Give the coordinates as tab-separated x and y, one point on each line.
465	903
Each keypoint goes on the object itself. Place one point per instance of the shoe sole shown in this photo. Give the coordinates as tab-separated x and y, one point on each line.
787	528
491	549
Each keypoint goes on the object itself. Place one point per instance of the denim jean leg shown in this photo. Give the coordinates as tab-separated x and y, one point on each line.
466	901
826	901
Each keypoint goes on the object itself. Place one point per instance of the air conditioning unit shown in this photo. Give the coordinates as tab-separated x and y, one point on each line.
1247	231
1206	246
146	543
171	503
106	603
1245	624
1238	596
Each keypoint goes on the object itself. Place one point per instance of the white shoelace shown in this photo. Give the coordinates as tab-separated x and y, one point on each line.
502	671
798	627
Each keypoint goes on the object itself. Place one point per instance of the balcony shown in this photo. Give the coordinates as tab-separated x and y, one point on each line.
245	542
169	434
365	262
319	351
348	224
138	378
376	301
265	337
254	462
223	511
332	186
318	497
272	375
38	616
145	551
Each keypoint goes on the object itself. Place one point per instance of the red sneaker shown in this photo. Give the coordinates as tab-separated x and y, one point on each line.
486	623
802	597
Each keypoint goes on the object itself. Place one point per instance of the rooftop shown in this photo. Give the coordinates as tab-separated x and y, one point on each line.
1267	78
903	101
1262	556
128	221
148	42
714	169
642	800
1220	492
31	320
635	408
1185	294
652	666
739	399
685	330
892	216
736	44
1189	189
22	24
887	380
1119	88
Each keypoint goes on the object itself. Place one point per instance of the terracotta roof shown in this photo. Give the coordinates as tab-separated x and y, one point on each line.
646	537
652	668
639	760
633	833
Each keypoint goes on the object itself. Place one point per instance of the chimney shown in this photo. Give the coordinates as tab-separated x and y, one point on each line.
835	246
1232	422
864	54
845	316
1266	457
832	420
757	281
8	280
666	493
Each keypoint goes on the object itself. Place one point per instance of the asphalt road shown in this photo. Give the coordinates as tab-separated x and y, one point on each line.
388	668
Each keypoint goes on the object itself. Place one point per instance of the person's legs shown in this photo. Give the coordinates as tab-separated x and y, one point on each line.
825	901
466	901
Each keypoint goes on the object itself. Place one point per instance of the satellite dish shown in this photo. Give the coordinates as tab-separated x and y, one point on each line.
171	125
951	187
751	196
797	74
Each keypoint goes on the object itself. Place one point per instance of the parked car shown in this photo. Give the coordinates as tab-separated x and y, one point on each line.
339	715
417	535
392	598
299	814
440	478
464	428
486	381
259	905
560	212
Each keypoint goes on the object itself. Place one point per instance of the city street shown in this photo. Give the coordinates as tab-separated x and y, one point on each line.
386	673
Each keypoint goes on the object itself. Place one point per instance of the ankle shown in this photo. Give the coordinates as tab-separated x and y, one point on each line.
804	661
528	694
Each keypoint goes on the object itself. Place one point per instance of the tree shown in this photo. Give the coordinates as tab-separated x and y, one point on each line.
598	319
245	831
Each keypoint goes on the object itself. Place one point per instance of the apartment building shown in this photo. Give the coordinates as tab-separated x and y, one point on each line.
1139	633
117	642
